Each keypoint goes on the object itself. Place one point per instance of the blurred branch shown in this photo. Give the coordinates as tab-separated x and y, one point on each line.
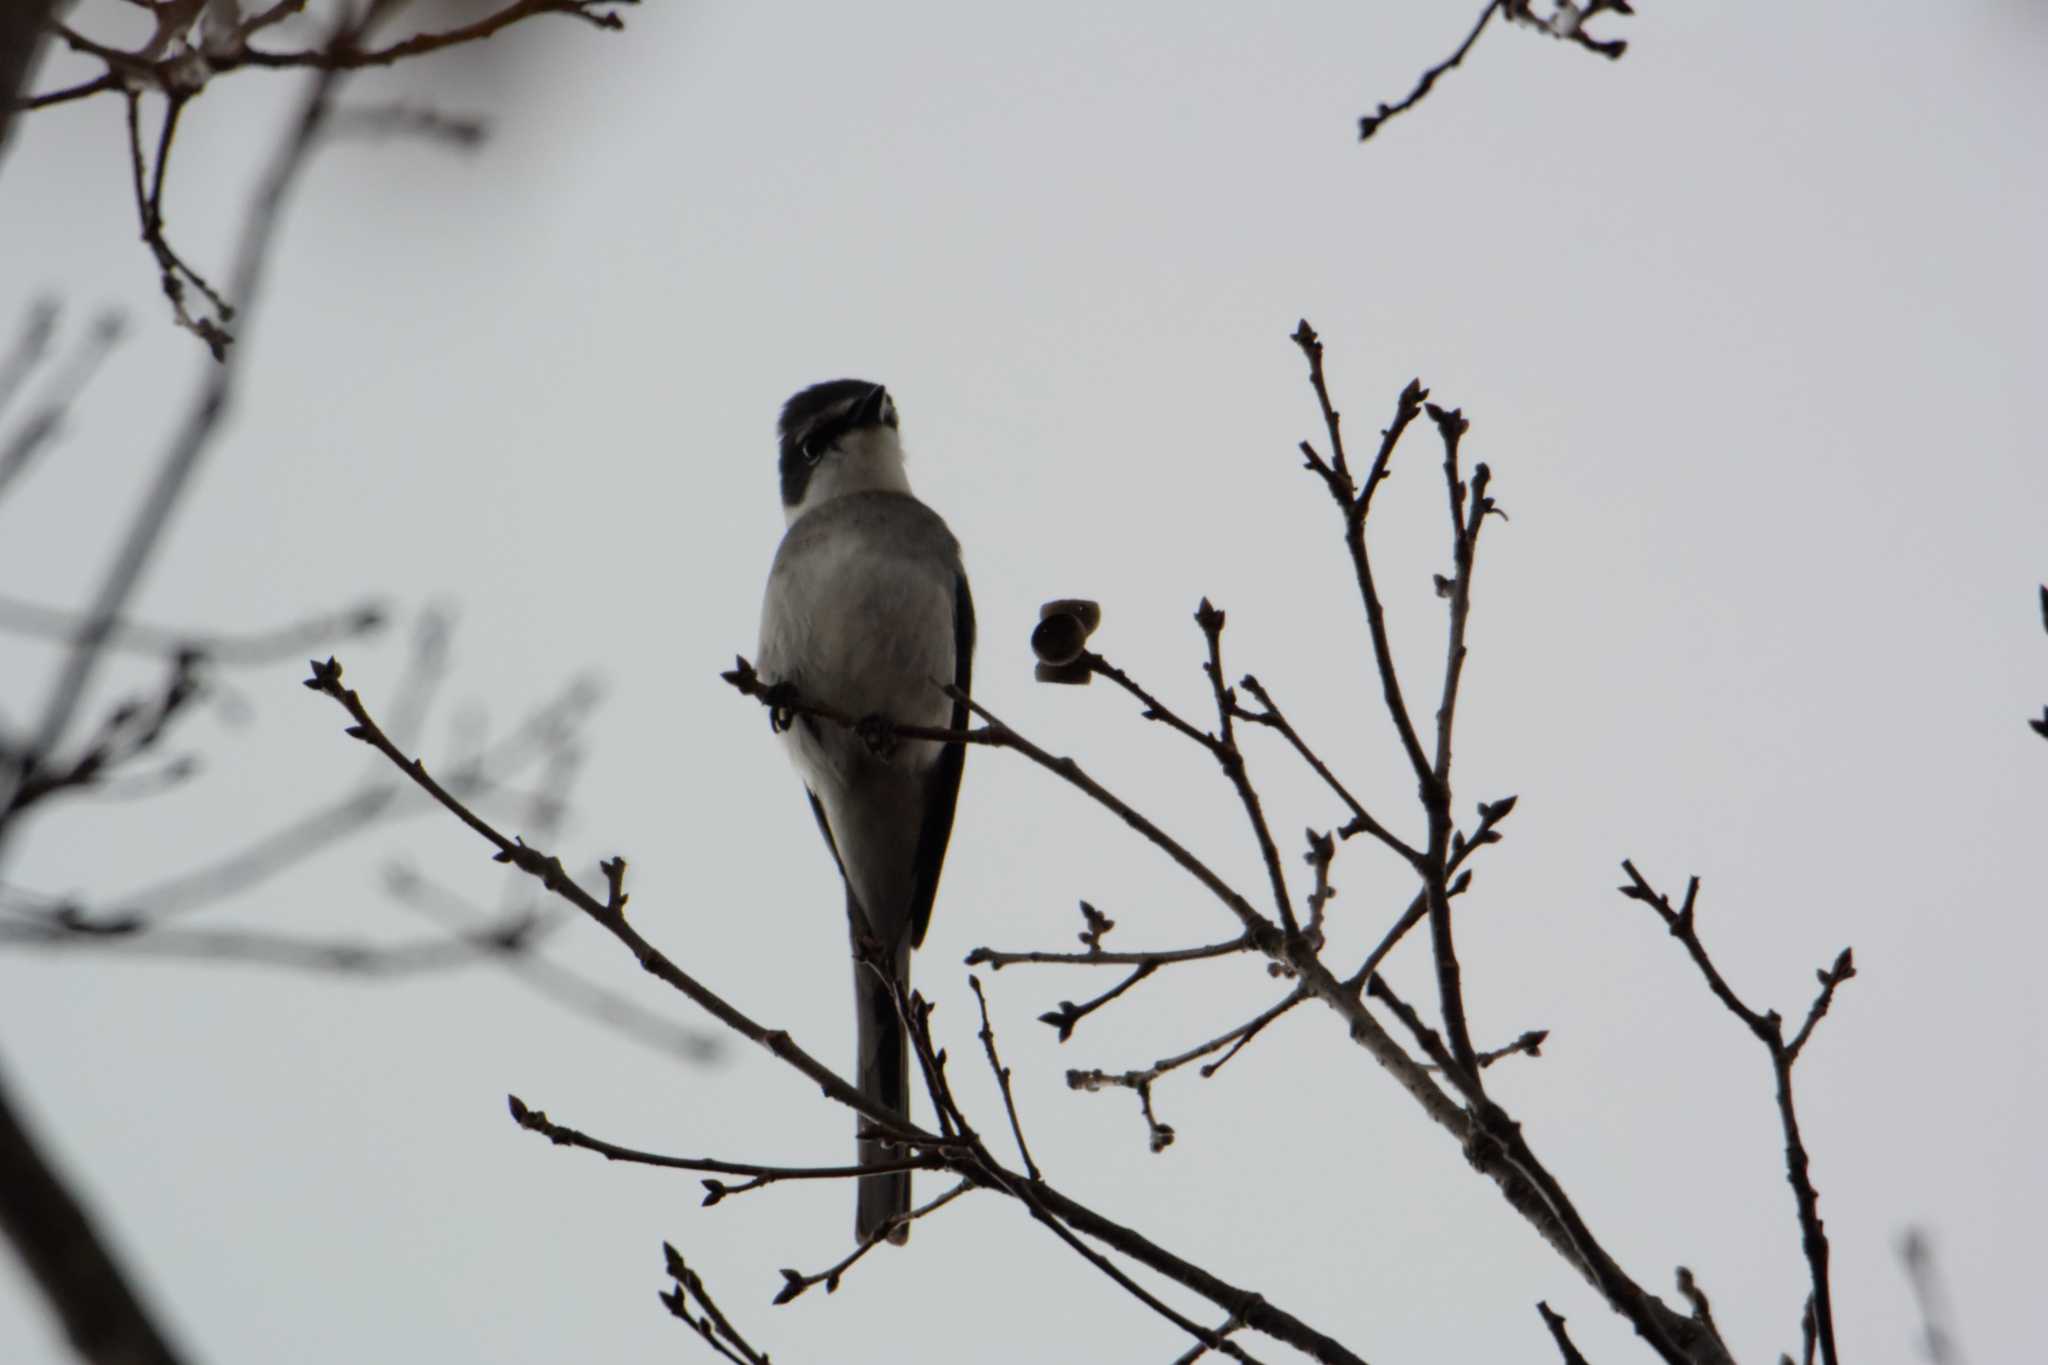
23	25
92	1295
38	327
70	928
242	649
1937	1338
167	61
460	131
195	43
131	729
42	425
558	985
194	437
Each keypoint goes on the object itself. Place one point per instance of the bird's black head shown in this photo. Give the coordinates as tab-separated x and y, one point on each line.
816	421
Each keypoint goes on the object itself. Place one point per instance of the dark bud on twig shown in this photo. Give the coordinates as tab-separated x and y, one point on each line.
1493	812
1064	1018
793	1284
1209	617
1061	638
1443	585
1098	925
1450	421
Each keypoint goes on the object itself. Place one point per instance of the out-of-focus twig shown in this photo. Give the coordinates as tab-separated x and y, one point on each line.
84	1283
194	44
1937	1338
194	436
241	649
41	426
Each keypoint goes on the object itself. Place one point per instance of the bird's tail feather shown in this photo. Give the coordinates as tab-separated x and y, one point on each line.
884	1076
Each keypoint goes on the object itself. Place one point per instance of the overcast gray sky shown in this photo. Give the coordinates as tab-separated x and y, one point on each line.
1749	327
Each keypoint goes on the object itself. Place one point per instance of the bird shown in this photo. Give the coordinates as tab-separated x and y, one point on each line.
867	611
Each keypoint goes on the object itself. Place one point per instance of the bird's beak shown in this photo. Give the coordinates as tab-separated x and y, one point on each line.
869	413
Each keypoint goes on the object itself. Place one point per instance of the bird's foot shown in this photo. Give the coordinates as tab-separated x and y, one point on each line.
781	699
878	732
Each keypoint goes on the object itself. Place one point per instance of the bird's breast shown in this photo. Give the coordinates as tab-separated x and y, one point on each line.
863	626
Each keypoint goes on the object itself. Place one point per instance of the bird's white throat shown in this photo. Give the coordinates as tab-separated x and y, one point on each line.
864	461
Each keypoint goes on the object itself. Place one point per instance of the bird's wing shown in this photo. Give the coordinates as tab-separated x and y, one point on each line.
825	828
942	784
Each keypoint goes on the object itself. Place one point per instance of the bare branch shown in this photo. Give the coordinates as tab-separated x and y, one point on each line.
1769	1028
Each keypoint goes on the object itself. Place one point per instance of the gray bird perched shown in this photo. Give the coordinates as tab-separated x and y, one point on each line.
868	612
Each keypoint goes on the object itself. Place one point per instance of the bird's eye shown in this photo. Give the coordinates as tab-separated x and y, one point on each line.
814	448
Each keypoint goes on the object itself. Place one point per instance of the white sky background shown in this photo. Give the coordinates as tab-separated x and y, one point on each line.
1747	326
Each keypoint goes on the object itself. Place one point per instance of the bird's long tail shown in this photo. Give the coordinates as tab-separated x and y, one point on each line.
884	1074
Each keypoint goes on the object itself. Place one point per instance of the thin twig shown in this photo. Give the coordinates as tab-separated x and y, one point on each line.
1211	619
1069	1014
1002	1075
796	1282
1140	1081
1466	522
1215	1341
1769	1029
1361	821
535	1121
996	959
1370	123
1555	1323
